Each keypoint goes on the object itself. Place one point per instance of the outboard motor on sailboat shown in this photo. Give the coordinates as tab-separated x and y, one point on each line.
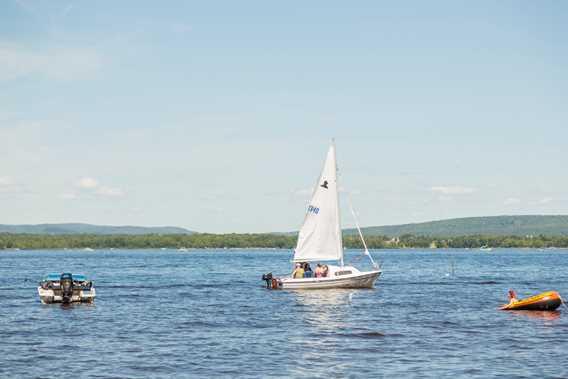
66	281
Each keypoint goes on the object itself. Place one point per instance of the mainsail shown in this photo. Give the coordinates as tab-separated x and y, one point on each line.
320	236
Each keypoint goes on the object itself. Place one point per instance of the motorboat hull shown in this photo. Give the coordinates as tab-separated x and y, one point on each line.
547	301
355	280
50	296
66	288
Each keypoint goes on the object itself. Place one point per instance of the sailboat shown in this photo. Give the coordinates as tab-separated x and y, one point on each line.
320	240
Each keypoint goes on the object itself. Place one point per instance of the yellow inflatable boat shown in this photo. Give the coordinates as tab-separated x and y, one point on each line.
547	301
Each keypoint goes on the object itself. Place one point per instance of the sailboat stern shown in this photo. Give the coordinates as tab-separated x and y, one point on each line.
271	282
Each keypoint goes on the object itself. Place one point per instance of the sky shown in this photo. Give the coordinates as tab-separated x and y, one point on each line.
216	115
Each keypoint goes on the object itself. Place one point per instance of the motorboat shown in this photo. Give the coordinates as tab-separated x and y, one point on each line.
546	301
320	240
66	288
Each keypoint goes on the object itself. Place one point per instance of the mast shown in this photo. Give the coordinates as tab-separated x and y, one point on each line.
340	234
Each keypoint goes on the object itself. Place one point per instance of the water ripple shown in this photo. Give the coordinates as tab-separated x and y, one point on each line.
163	314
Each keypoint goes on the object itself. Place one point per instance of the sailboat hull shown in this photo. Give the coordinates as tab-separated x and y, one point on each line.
356	280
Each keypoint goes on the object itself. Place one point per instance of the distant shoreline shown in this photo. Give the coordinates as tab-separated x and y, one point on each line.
266	241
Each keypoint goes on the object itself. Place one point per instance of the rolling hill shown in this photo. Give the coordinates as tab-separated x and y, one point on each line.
493	225
78	228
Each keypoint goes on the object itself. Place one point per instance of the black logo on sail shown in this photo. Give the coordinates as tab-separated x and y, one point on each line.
324	185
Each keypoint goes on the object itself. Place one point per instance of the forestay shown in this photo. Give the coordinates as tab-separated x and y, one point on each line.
320	236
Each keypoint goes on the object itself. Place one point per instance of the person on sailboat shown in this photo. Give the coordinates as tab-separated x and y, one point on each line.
324	271
319	271
308	273
298	272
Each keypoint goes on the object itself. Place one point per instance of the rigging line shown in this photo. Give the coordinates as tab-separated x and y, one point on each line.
375	265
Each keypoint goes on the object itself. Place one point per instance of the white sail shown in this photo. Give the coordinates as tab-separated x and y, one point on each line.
320	236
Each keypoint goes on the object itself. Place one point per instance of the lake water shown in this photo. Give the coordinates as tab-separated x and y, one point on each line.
205	313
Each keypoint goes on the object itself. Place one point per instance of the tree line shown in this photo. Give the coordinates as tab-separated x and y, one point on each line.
280	241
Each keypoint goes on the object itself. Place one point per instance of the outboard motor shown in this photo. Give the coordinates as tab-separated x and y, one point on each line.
66	281
268	279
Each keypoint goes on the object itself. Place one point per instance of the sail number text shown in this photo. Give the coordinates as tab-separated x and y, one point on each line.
312	209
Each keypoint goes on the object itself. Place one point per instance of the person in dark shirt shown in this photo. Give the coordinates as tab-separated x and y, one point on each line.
308	273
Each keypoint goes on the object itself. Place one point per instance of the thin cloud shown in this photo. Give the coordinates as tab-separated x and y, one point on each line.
511	201
109	192
68	8
6	181
35	9
302	192
305	192
353	192
61	63
213	209
453	190
92	186
218	195
181	28
87	183
26	6
69	196
7	184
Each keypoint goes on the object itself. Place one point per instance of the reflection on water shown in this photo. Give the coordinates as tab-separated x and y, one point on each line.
325	310
543	315
328	328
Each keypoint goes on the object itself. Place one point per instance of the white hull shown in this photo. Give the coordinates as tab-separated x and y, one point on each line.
356	280
49	296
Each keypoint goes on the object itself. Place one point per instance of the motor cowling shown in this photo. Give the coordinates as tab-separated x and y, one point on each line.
268	279
66	282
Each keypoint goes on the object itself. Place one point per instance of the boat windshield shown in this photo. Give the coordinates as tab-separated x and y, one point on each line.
53	277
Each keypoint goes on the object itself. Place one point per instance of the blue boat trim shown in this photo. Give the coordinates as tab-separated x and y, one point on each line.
53	277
